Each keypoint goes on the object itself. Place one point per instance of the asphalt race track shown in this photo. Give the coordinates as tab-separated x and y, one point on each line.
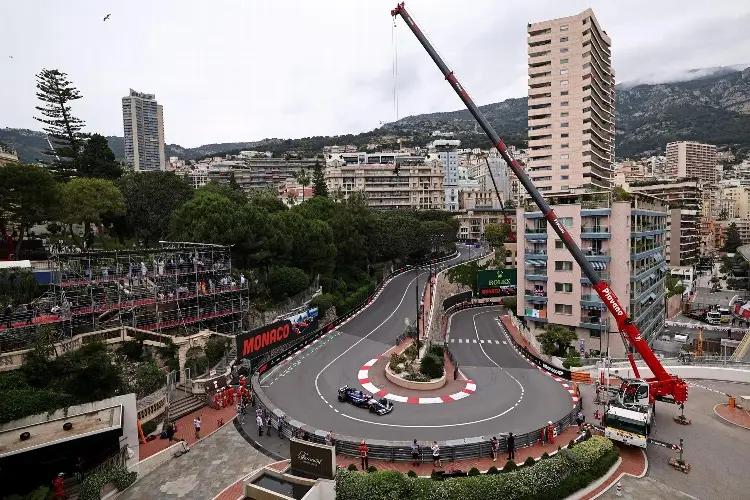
307	389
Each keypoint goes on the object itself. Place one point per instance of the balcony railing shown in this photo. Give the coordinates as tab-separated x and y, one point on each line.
536	230
536	293
594	229
533	252
591	298
596	253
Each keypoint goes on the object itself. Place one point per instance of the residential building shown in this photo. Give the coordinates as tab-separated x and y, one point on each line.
713	235
446	152
258	173
678	193
735	202
143	124
683	239
743	227
7	155
473	221
692	159
415	184
623	240
571	104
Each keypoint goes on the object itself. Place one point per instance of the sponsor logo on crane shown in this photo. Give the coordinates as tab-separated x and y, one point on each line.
612	301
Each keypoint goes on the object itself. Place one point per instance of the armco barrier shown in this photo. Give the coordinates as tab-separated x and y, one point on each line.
275	356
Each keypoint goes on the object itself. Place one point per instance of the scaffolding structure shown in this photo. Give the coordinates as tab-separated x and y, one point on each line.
177	289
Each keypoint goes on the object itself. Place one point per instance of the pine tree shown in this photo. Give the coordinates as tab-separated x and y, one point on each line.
97	161
319	181
63	129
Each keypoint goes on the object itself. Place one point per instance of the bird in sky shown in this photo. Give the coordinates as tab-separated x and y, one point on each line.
107	16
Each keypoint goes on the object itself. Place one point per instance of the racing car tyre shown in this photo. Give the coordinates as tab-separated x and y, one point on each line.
373	409
341	398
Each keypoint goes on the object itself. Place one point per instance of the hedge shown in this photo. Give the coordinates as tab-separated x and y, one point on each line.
551	479
92	485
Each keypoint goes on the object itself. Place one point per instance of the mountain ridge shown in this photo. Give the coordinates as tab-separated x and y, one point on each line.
713	107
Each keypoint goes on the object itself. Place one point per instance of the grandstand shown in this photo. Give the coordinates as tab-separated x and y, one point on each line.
178	288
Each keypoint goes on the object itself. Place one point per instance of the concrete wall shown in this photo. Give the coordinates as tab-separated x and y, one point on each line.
674	305
149	464
129	420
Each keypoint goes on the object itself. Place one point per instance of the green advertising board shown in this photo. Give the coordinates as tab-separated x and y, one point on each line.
497	283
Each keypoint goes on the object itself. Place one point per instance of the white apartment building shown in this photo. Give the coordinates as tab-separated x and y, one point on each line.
446	152
692	159
571	104
143	126
415	184
623	240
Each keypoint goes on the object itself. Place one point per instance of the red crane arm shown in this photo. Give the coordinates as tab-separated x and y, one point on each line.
662	383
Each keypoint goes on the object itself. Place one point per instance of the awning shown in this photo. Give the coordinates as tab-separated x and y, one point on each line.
644	300
664	267
652	276
599	266
652	296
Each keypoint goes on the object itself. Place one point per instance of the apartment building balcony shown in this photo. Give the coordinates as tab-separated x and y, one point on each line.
536	233
536	274
535	253
602	275
597	255
642	251
535	296
592	324
595	232
591	301
538	315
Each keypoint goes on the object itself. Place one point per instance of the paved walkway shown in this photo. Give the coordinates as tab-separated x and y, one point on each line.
736	416
212	465
185	430
643	489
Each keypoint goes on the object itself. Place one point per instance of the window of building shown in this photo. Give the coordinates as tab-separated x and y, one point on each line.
565	124
563	71
565	145
564	287
564	103
559	244
564	157
564	177
564	136
564	114
564	82
564	92
563	309
563	39
566	221
586	65
564	188
564	27
564	167
564	50
563	265
564	61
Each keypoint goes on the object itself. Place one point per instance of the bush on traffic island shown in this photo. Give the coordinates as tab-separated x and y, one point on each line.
474	472
371	469
551	479
352	467
436	350
510	466
92	485
545	455
411	473
431	366
411	352
493	470
529	462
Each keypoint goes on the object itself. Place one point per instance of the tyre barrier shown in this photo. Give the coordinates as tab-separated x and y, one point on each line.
400	451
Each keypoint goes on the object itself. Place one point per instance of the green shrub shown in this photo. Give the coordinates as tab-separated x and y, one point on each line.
41	493
571	444
20	403
396	360
215	348
411	473
92	485
431	366
474	472
371	469
587	435
510	465
352	467
529	461
132	349
437	350
545	455
493	470
149	427
323	302
411	352
572	361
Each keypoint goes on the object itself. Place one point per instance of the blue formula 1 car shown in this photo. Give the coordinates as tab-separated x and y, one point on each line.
363	400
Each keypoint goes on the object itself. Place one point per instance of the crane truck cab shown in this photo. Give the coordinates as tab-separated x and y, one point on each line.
627	426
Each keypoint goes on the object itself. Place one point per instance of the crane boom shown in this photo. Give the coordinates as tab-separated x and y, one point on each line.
662	383
511	233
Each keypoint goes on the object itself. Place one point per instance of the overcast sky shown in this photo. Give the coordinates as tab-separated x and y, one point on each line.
243	70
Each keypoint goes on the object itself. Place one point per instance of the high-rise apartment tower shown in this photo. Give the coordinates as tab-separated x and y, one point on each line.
143	124
571	104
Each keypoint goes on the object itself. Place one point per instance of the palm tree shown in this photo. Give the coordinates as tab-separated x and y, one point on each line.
291	198
303	178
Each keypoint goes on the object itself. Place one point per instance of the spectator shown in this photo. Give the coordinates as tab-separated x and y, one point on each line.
494	448
280	424
415	458
197	426
510	441
329	438
436	454
58	487
269	424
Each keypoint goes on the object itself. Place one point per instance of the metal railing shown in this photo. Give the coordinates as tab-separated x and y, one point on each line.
594	229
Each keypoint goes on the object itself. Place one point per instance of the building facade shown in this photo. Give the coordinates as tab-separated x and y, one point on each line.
692	159
415	184
683	237
571	104
623	240
143	126
446	152
259	173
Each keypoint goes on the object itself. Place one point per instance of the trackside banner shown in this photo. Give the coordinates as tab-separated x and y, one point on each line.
262	340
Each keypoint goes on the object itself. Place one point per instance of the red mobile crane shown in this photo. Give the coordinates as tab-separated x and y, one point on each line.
662	385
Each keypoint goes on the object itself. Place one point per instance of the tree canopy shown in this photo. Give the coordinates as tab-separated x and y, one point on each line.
319	182
97	160
733	239
557	339
89	202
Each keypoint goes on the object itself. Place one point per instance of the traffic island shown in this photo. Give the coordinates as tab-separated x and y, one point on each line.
736	416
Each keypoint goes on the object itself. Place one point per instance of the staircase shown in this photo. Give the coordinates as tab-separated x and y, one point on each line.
186	405
227	360
742	349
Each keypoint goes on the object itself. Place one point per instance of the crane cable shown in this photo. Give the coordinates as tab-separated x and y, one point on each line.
394	46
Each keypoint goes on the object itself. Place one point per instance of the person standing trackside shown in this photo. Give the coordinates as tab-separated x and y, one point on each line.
259	421
510	441
197	425
436	454
493	448
415	459
363	454
269	424
280	424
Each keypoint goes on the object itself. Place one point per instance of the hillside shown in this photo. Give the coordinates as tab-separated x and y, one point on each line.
713	108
